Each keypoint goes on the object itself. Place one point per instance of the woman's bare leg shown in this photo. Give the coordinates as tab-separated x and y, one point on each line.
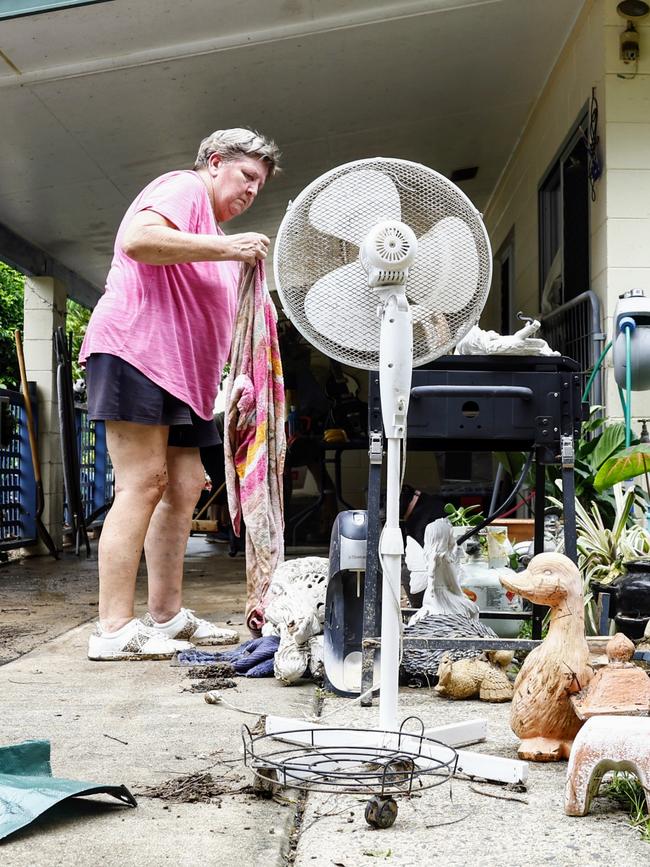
169	528
138	453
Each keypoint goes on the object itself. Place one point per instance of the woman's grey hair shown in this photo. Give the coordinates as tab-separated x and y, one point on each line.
233	143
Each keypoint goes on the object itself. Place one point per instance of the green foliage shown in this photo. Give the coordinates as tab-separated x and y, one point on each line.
526	628
603	551
627	464
12	293
463	516
12	288
628	791
598	443
76	322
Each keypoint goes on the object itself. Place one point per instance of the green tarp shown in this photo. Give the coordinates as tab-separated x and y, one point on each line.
28	789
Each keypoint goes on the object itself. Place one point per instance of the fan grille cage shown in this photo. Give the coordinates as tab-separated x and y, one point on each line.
304	255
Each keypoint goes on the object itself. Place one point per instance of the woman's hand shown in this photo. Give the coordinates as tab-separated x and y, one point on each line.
247	247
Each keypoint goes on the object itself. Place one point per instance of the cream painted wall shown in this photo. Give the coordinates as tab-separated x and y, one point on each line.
620	217
580	66
626	224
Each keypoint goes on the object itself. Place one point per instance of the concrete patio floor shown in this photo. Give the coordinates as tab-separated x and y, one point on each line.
136	724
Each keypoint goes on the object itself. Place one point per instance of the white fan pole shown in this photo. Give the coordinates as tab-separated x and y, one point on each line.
395	369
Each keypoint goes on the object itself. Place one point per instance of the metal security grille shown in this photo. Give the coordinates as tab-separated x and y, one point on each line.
17	484
575	330
87	454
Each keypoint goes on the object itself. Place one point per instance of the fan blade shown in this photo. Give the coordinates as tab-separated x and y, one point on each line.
351	205
342	308
446	270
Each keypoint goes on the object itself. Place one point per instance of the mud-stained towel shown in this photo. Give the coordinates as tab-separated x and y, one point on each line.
254	438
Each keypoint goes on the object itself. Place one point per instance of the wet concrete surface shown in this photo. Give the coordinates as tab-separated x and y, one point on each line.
134	723
137	724
41	598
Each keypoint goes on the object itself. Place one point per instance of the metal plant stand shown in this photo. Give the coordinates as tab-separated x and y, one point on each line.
382	765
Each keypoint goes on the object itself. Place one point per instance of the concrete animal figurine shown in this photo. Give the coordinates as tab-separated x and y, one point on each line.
420	664
468	678
292	657
542	714
446	611
295	611
606	743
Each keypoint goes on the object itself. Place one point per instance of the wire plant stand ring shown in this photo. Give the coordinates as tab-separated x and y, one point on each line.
355	761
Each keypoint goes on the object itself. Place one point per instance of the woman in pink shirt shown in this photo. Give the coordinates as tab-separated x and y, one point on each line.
154	351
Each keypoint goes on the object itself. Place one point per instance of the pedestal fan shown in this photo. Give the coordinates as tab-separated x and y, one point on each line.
381	264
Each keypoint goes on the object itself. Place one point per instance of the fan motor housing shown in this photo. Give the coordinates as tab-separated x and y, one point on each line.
387	252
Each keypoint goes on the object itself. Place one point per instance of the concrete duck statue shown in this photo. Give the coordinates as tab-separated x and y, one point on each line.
542	713
483	676
446	611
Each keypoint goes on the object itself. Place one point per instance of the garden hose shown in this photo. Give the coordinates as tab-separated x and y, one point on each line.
627	324
628	383
597	365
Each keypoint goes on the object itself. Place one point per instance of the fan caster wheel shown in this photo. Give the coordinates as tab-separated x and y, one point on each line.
381	812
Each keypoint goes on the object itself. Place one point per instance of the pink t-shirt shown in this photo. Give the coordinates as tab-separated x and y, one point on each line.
172	322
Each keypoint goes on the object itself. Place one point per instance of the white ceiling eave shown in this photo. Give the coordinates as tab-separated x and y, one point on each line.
110	95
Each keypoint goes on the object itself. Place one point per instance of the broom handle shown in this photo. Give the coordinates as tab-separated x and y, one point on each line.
28	408
213	497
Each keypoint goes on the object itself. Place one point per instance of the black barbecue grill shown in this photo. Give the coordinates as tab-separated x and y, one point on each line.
481	403
497	403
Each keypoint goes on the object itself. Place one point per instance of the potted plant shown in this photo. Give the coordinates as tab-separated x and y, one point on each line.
598	445
603	552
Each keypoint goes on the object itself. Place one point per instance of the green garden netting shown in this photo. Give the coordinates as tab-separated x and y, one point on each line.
28	789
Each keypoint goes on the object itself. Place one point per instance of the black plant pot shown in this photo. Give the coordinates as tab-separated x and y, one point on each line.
632	599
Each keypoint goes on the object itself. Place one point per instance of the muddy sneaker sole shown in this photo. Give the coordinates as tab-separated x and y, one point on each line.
130	657
215	642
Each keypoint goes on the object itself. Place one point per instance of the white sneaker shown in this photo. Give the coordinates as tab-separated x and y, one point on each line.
133	641
187	625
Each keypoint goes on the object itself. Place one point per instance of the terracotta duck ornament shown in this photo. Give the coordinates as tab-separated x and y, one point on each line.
542	713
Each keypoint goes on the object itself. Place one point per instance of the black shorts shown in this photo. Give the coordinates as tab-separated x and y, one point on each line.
117	391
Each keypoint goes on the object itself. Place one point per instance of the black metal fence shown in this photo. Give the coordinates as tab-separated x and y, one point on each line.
96	470
17	483
575	330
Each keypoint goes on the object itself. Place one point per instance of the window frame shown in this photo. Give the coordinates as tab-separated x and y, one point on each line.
550	198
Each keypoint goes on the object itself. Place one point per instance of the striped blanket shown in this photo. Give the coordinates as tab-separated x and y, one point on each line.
254	438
